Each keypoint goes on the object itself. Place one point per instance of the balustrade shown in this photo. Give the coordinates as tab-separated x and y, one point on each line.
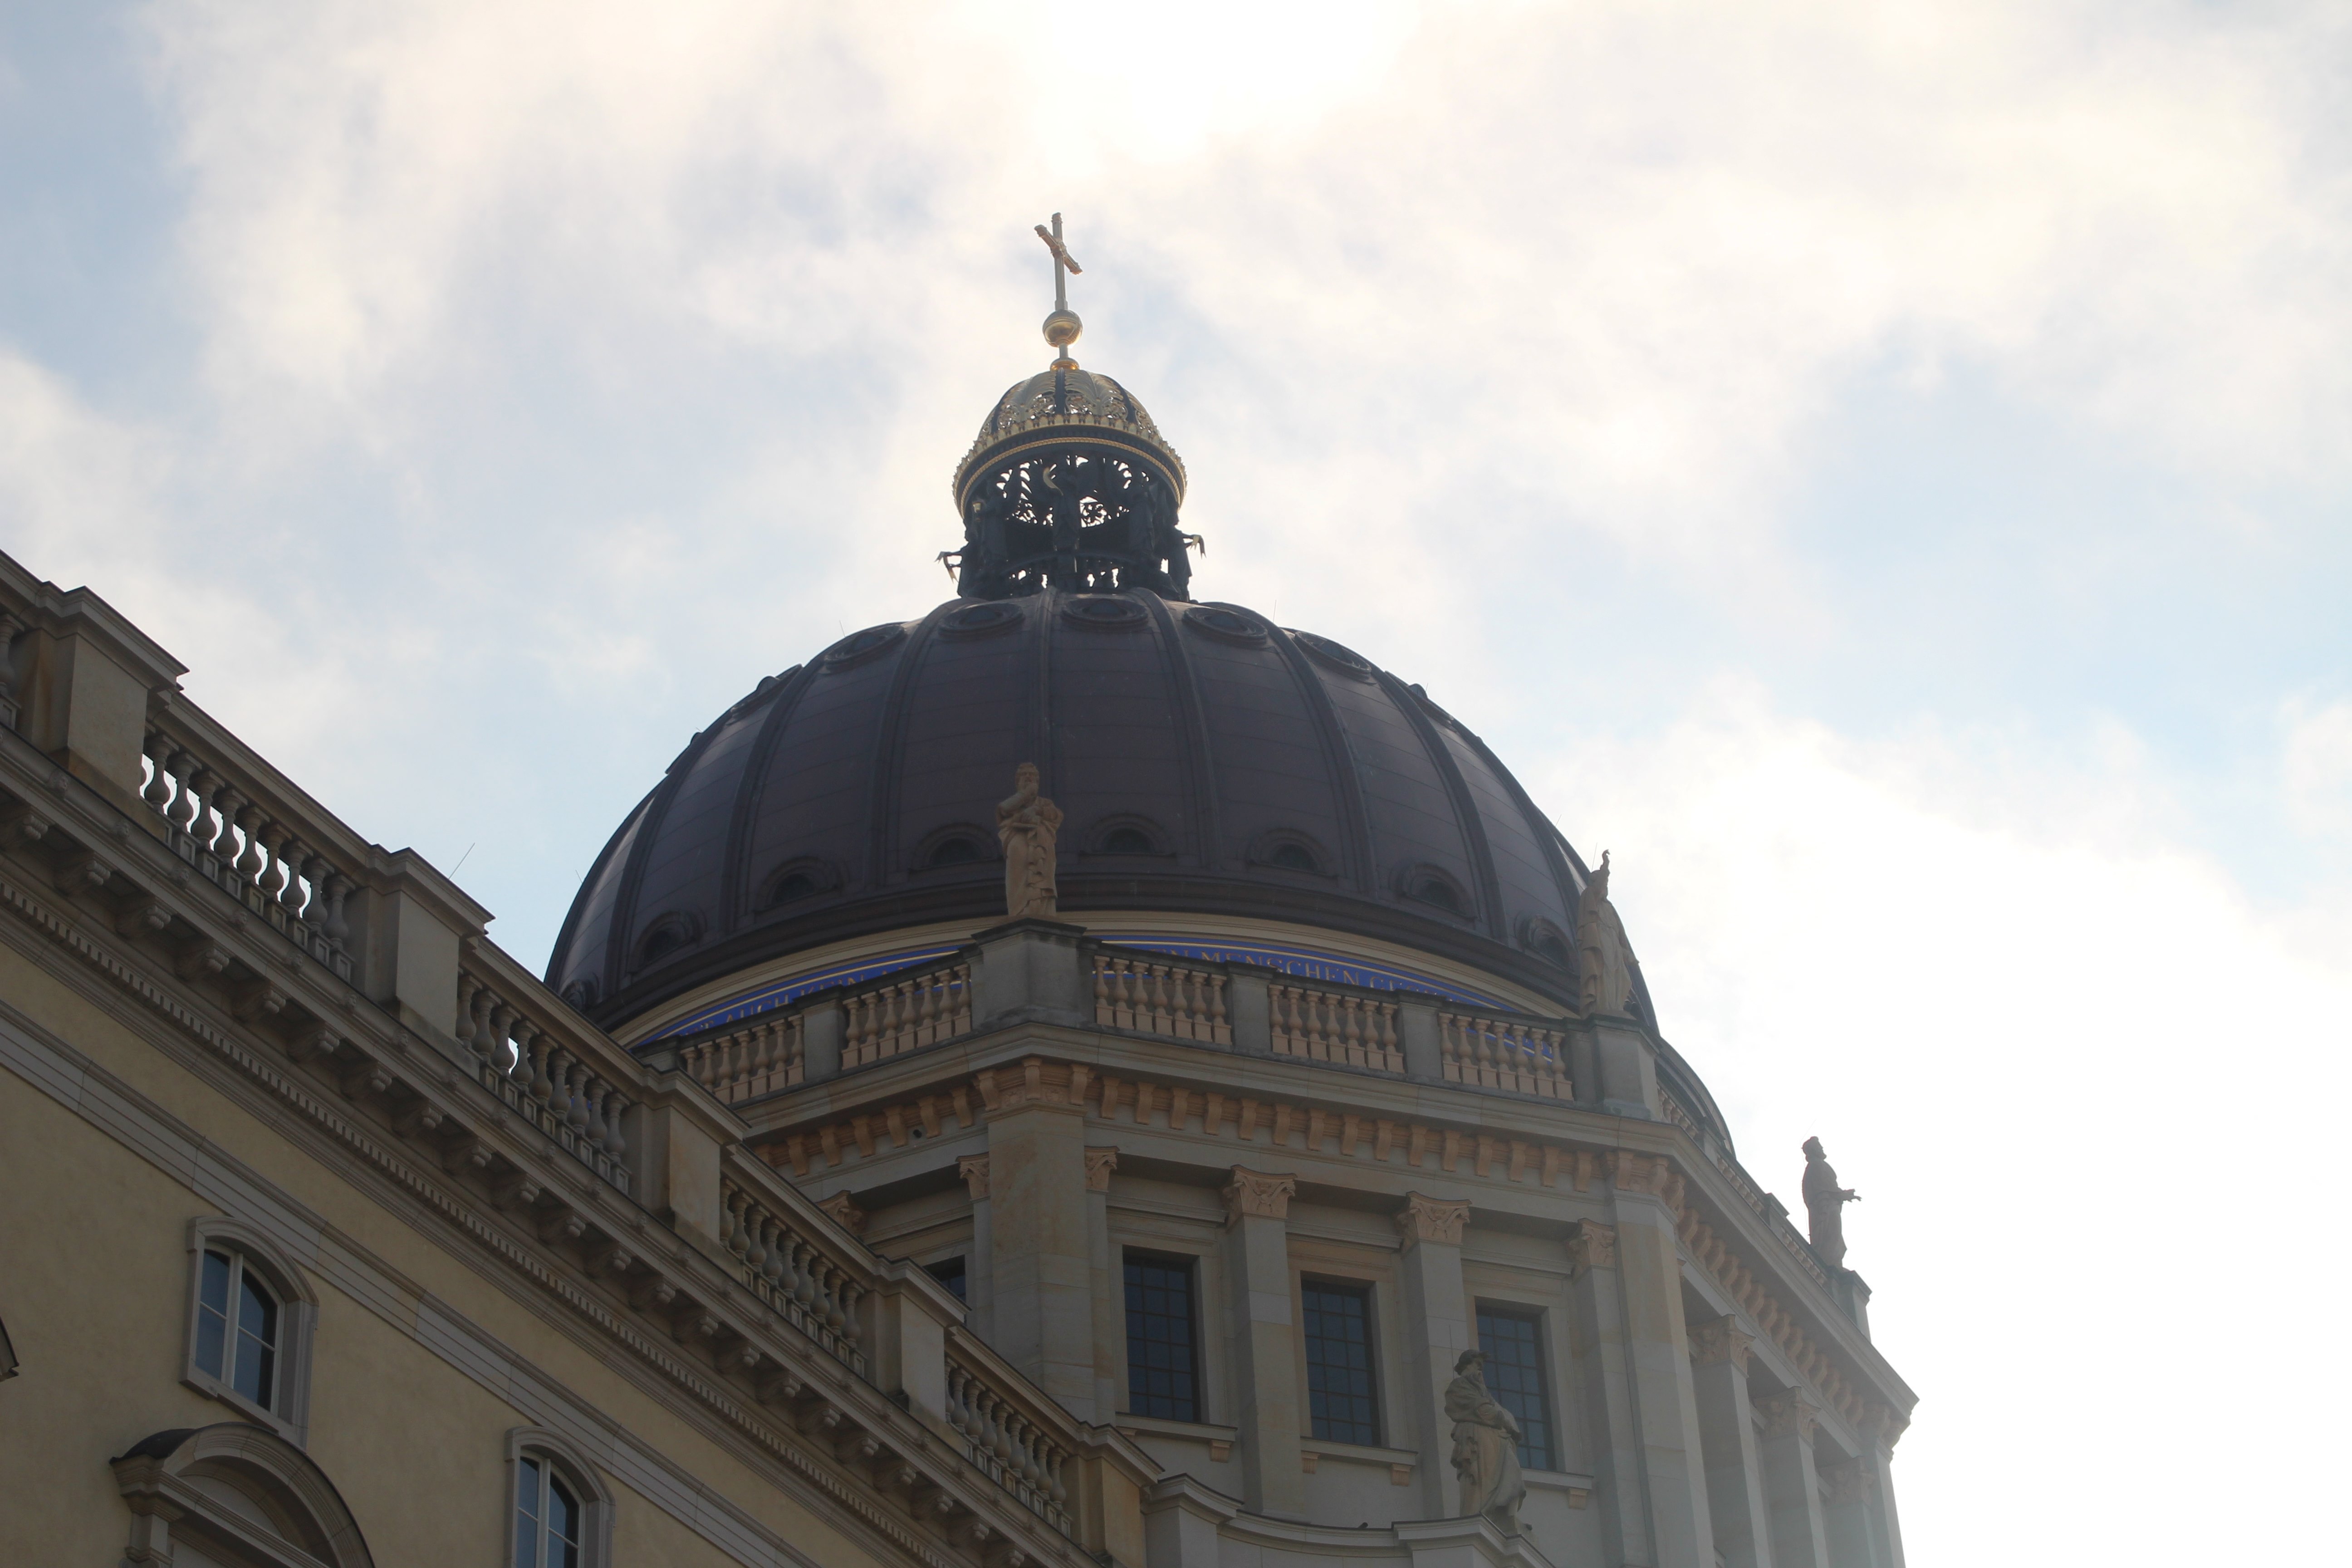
239	847
758	1057
791	1273
546	1077
1334	1026
1155	998
1017	1453
907	1015
1493	1053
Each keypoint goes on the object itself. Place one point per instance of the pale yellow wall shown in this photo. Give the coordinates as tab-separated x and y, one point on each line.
93	1285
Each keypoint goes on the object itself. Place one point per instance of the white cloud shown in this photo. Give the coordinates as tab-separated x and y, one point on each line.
2317	764
2073	1071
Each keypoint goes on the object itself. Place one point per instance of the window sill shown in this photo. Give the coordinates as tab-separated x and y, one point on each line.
1577	1488
211	1387
1220	1439
1400	1461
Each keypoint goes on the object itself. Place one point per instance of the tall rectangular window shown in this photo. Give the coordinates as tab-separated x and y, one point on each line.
1514	1376
1339	1362
1163	1339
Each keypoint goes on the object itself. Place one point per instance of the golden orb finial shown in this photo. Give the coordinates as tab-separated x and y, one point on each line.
1063	327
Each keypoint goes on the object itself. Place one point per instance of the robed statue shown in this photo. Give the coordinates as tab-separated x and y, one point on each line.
1604	959
1485	1446
1026	823
1825	1204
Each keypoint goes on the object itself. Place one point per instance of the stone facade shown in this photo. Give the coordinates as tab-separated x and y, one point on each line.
843	1280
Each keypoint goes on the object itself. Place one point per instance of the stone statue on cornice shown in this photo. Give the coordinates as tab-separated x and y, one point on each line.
1825	1204
1604	959
1027	825
1485	1446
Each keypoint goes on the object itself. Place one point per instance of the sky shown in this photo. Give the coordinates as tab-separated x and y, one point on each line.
1880	471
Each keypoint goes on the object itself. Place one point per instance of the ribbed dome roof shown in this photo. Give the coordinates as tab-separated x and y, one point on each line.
1206	762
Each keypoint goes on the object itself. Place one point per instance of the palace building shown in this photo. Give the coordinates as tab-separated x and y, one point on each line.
1083	1077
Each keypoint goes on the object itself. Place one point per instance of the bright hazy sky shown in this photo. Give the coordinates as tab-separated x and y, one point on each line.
1881	470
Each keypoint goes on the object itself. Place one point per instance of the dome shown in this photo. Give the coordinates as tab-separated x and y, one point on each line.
1209	764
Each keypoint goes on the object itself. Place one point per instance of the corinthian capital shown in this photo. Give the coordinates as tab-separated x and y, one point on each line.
1259	1193
1784	1411
1432	1219
1592	1245
973	1169
1720	1340
1100	1164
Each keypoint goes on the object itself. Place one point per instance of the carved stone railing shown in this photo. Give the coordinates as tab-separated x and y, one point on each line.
252	847
1334	1026
558	1073
906	1014
1154	997
1019	1444
1482	1052
769	1053
812	1288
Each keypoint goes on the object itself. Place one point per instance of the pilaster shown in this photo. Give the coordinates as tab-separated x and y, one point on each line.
1649	1273
1792	1489
1109	1284
980	1266
1735	1478
1266	1370
1607	1387
1437	1329
1043	1307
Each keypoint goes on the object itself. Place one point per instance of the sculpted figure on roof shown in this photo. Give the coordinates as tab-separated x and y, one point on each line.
1027	825
1604	959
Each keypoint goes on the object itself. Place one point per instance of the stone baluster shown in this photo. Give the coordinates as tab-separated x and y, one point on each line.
222	844
616	1105
732	1225
291	895
11	628
158	753
593	1092
185	808
248	864
468	988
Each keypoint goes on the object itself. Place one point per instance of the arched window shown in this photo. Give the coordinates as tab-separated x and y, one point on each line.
956	851
236	1326
1127	841
249	1317
563	1516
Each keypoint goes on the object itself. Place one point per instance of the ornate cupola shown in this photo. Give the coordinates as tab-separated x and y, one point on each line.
1069	483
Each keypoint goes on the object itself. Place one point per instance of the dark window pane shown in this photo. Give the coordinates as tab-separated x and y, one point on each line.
212	1316
950	1273
527	1486
563	1526
1162	1362
1339	1362
257	1339
1514	1376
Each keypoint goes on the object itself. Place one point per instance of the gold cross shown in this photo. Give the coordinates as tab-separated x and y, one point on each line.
1064	265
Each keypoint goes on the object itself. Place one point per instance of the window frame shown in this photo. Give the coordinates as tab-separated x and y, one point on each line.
1190	1263
560	1461
288	1413
1368	1291
1539	1333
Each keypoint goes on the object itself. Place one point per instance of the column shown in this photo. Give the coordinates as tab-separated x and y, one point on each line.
1042	1310
1726	1430
1109	1285
980	1263
1265	1342
1438	1327
1792	1489
1850	1488
1607	1393
1658	1363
